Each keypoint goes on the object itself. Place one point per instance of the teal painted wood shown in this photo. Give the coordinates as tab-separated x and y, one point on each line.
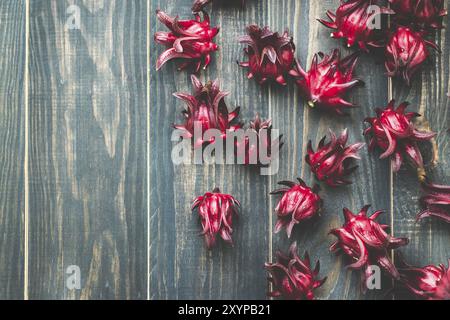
87	164
12	130
430	238
301	123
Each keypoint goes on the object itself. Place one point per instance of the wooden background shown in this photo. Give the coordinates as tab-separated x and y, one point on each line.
86	176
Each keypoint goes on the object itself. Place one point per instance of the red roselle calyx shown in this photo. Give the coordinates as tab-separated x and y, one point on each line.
271	55
298	203
251	151
364	241
207	109
331	162
393	132
406	52
430	282
200	4
354	20
216	211
292	277
191	40
328	81
435	202
422	13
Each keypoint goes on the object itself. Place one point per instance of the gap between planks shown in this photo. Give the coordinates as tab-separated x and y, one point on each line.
148	147
391	172
26	156
391	184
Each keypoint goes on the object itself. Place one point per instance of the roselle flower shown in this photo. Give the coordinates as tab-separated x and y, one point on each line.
435	202
207	107
354	20
298	203
251	150
406	52
327	82
271	55
191	40
293	278
393	132
216	211
429	283
331	162
364	241
200	4
423	13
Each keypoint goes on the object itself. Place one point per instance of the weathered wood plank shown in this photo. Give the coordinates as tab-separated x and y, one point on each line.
181	266
428	95
12	133
300	124
88	149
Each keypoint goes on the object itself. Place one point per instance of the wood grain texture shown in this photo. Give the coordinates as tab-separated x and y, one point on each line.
302	123
181	266
429	239
87	165
12	71
88	150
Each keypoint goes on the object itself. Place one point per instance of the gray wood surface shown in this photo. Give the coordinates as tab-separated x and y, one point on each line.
181	266
170	215
12	70
88	118
430	239
301	123
87	172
